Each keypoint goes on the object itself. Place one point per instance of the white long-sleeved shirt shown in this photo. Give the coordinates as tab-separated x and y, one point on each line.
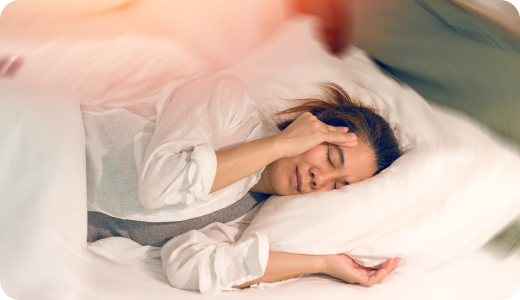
191	123
217	257
194	121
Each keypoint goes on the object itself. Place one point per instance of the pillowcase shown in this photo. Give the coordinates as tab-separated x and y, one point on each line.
451	191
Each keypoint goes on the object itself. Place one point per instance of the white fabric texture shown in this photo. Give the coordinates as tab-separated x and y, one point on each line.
114	139
453	189
211	259
117	139
179	165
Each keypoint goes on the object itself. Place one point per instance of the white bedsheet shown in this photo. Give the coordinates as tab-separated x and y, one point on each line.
478	276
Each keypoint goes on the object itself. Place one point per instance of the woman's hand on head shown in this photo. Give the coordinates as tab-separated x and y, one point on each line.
343	267
307	132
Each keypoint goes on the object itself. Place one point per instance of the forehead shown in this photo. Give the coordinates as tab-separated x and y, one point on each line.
360	162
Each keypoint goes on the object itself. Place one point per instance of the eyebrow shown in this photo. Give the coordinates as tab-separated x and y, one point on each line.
341	156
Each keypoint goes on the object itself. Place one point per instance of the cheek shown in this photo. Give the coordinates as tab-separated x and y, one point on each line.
314	156
278	170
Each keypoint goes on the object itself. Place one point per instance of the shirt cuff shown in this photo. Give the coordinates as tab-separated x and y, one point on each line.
255	252
201	177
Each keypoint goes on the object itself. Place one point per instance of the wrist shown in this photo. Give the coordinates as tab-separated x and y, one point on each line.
278	146
321	264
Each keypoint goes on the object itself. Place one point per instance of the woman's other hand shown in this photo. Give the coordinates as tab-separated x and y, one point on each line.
307	132
343	267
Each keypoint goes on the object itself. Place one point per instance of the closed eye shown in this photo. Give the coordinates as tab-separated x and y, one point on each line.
330	161
328	156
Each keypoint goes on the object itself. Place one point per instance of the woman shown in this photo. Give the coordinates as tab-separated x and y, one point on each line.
220	149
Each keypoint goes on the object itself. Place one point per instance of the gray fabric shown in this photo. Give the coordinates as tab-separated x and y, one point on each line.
506	242
158	233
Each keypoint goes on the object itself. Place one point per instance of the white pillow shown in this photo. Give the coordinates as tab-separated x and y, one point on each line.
43	221
452	190
117	71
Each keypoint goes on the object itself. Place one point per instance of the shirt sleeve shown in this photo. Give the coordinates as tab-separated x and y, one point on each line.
212	260
180	164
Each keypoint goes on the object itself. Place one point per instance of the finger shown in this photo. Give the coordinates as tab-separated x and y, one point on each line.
339	129
380	274
347	143
377	277
397	260
389	264
339	138
394	264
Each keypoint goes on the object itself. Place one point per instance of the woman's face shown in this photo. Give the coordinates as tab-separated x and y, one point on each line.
323	168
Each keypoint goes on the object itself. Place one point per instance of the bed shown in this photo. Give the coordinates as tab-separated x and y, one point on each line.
43	222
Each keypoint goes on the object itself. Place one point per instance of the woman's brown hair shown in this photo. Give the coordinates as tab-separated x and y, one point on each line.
338	109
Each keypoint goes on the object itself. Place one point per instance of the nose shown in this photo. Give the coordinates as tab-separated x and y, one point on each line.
320	179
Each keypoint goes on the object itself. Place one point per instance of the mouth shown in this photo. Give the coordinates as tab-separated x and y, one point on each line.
296	180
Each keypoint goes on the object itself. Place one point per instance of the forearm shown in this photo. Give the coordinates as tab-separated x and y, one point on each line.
236	163
282	265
